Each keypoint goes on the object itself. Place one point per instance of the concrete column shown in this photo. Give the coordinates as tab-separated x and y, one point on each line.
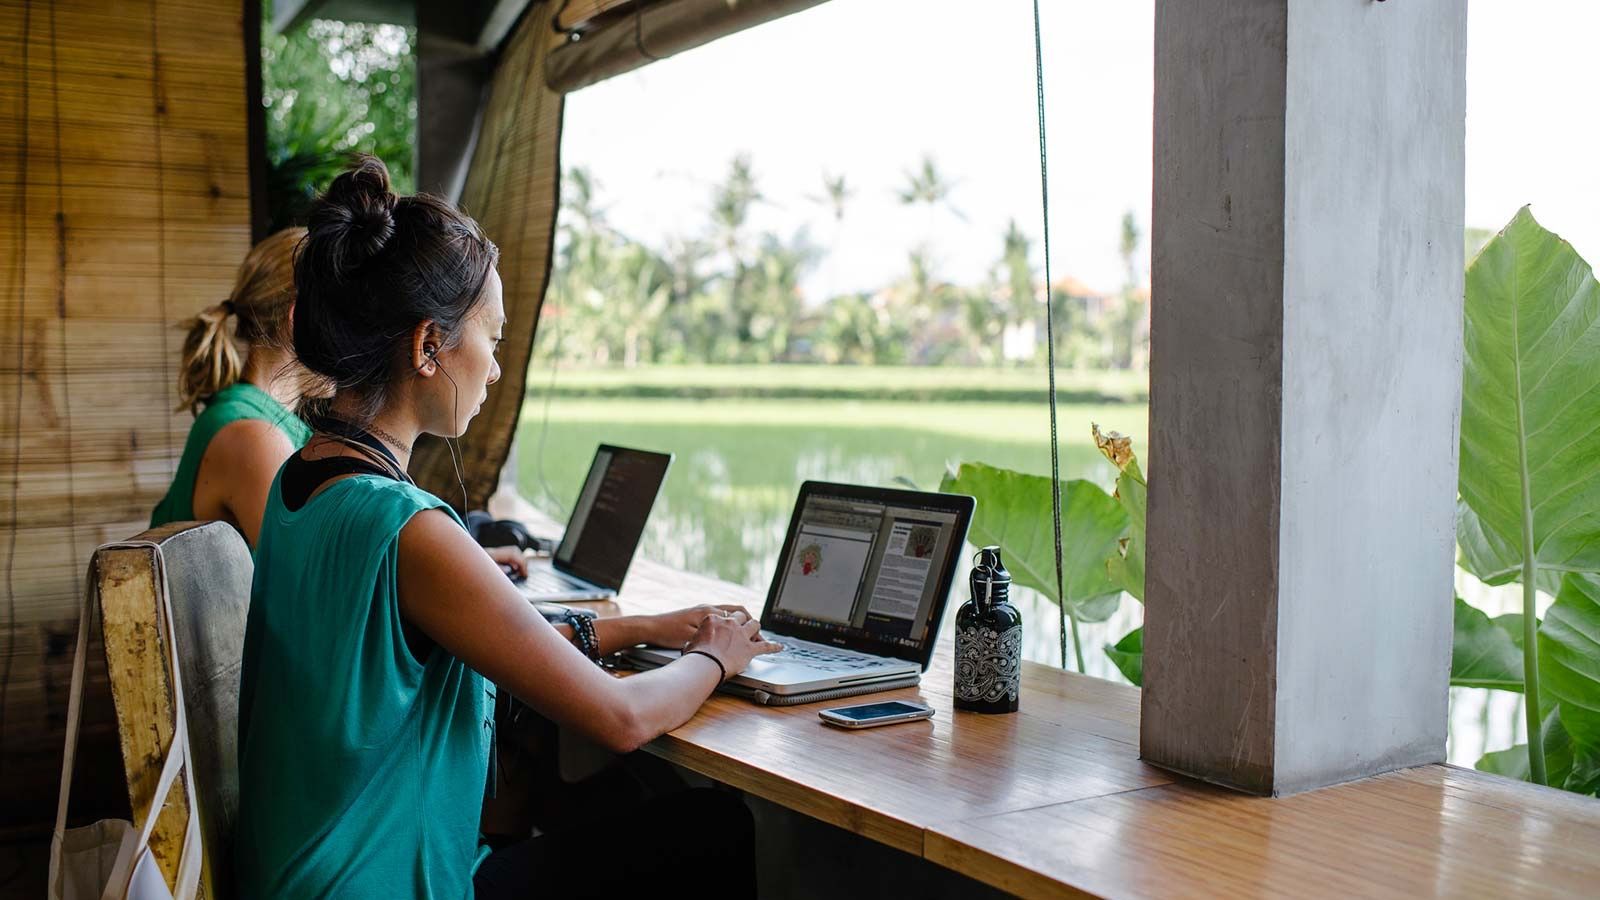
452	82
1305	387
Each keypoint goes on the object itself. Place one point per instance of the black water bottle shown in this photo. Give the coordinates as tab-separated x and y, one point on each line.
989	640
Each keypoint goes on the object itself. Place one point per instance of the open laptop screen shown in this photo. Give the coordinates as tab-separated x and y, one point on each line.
608	519
868	568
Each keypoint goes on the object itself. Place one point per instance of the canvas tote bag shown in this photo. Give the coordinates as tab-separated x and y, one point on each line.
110	859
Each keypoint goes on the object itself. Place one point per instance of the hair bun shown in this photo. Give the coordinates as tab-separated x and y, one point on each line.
356	214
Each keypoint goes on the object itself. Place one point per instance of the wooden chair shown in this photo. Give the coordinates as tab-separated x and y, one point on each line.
209	569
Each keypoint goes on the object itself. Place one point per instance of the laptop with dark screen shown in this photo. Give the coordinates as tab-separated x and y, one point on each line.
603	532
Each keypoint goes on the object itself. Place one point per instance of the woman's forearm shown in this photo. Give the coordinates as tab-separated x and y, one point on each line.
662	699
615	633
620	633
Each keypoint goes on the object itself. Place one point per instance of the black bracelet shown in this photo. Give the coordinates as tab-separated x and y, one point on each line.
583	634
720	667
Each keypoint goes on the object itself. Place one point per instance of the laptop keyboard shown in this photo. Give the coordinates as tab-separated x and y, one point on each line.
816	656
546	581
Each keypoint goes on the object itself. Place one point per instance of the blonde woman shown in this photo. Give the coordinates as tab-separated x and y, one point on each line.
241	381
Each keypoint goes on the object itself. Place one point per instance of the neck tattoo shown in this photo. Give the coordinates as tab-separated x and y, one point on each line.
390	439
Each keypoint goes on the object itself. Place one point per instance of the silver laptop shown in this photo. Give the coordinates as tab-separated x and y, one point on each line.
607	521
860	589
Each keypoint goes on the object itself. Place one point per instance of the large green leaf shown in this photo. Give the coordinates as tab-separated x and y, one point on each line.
1513	762
1569	766
1128	655
1530	448
1493	560
1014	511
1569	657
1126	567
1482	654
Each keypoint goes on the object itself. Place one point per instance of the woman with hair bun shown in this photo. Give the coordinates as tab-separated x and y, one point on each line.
240	380
378	629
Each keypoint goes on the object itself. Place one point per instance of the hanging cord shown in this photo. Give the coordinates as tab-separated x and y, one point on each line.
544	423
1050	350
61	310
19	275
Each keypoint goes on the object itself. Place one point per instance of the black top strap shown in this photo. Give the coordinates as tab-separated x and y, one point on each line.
302	477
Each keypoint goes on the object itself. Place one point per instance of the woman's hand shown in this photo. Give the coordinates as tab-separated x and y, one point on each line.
674	629
509	556
733	642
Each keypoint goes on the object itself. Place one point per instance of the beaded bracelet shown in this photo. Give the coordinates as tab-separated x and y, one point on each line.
583	635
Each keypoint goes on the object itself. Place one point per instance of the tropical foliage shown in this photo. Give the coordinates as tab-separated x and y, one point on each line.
1529	509
332	89
1530	495
727	292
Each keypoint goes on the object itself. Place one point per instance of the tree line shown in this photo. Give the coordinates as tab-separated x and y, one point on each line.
727	292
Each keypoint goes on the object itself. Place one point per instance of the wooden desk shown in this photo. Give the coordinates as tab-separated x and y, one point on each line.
1432	831
1075	738
1053	801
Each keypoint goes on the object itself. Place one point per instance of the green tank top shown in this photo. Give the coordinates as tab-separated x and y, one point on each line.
240	400
361	770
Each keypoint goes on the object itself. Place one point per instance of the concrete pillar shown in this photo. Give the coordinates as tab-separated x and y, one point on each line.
452	81
1305	387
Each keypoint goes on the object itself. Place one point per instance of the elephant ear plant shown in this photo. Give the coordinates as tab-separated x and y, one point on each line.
1530	494
1014	511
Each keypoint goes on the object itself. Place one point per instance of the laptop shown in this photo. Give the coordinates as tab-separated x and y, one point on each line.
860	589
604	530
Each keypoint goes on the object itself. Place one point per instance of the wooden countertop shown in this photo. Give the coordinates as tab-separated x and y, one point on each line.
1075	738
1053	801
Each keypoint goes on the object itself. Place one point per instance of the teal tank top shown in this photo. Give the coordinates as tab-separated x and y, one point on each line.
240	400
361	770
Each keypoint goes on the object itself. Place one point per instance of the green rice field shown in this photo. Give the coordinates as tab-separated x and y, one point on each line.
744	438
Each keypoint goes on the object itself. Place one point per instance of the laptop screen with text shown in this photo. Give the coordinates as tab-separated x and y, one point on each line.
868	568
609	517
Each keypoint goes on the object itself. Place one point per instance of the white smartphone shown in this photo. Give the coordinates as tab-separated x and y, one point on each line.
868	715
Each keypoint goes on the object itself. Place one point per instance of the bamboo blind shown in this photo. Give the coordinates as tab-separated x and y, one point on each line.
123	156
512	190
618	36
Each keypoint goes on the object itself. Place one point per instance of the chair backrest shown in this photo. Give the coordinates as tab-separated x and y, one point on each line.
209	570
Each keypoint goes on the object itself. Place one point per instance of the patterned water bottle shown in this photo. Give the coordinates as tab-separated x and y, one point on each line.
989	640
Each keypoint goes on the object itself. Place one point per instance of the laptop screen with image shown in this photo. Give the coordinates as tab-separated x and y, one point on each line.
609	517
868	568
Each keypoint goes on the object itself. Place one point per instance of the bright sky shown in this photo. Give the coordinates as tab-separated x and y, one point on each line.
865	88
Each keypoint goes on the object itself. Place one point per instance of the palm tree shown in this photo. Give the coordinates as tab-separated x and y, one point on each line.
1128	314
836	193
1019	273
1128	246
580	203
926	185
731	202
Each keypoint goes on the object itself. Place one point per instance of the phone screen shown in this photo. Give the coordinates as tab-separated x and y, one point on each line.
875	710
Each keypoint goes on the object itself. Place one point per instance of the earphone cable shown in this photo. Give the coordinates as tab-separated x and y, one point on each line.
456	417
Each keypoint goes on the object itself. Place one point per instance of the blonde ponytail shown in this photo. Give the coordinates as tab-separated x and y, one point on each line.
211	360
214	354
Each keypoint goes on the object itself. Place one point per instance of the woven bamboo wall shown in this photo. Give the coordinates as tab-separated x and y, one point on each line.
124	209
513	190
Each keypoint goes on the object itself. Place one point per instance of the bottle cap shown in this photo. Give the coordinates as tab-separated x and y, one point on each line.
990	581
